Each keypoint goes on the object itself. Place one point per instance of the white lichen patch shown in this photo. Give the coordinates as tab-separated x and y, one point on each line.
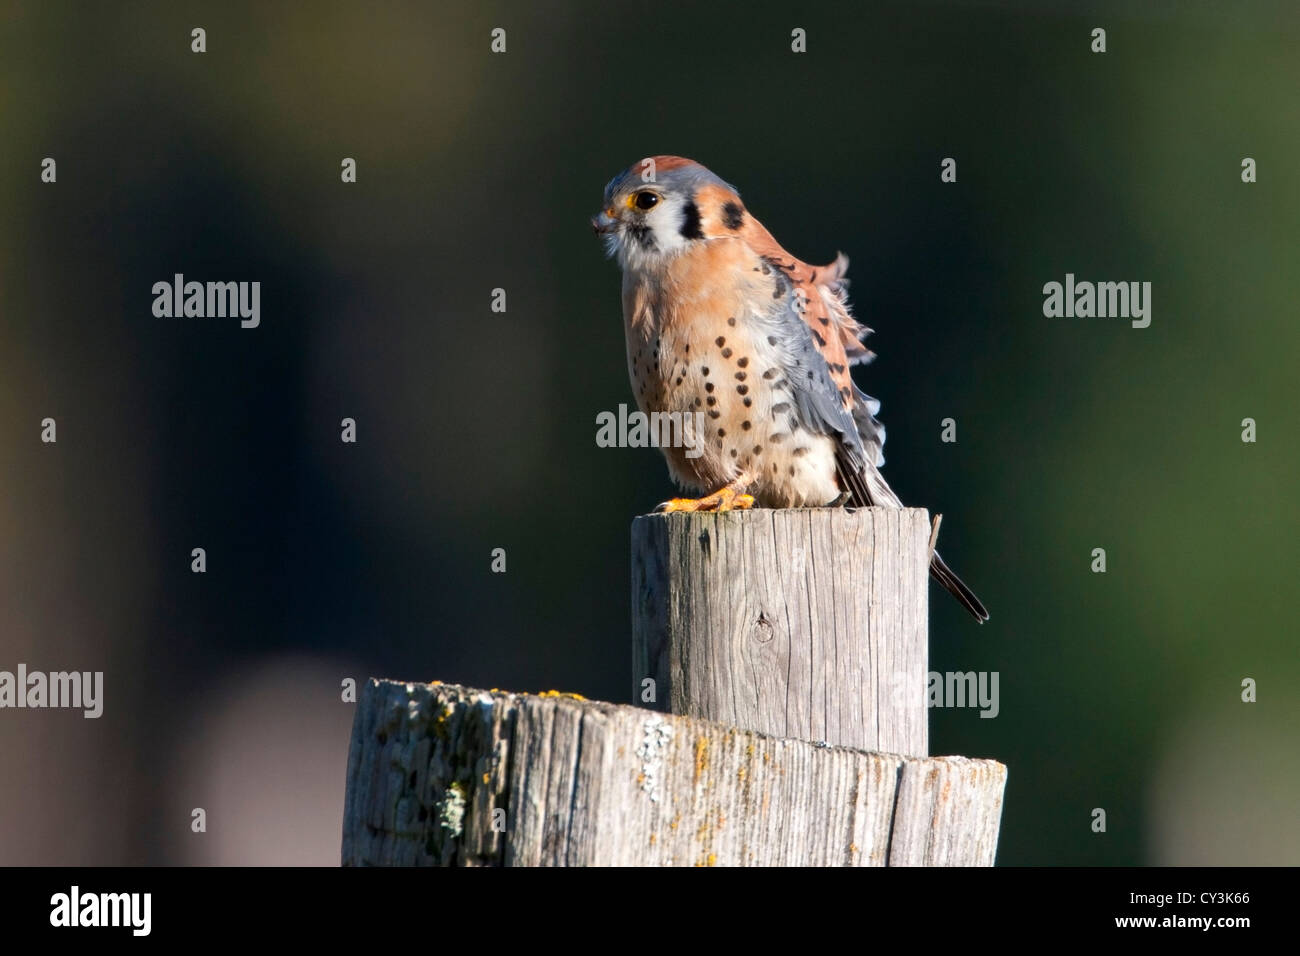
656	735
451	810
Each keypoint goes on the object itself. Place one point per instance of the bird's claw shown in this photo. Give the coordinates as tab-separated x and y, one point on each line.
724	499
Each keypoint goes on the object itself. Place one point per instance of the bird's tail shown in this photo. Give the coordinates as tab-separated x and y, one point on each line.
957	588
866	486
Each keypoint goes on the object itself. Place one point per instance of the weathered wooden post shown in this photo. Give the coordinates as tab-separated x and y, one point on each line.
789	648
807	623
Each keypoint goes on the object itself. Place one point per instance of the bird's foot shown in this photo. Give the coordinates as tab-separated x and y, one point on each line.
724	499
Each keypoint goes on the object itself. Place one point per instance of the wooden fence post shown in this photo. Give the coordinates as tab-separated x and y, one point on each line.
790	649
804	623
441	775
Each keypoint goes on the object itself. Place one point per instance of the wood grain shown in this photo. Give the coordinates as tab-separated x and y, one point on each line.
445	775
807	623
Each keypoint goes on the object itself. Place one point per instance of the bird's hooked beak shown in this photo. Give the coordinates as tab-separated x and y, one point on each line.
604	222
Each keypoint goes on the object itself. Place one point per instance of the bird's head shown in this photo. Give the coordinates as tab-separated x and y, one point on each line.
659	206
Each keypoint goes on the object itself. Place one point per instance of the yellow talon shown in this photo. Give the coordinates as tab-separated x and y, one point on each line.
724	499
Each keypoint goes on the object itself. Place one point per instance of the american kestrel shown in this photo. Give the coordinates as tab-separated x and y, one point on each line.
721	321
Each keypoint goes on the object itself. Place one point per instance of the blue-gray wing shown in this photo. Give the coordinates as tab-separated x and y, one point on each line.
824	405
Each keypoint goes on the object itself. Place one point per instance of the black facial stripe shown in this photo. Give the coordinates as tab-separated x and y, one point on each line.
732	215
642	233
691	221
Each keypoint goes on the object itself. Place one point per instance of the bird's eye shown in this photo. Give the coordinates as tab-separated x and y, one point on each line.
645	200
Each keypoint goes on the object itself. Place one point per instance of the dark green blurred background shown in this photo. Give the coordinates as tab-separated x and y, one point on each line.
476	430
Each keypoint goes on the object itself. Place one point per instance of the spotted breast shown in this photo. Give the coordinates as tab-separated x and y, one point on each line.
708	336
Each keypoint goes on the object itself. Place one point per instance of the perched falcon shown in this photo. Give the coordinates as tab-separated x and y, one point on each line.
722	321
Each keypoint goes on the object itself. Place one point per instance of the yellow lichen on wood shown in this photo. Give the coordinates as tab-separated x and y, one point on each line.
440	722
701	756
